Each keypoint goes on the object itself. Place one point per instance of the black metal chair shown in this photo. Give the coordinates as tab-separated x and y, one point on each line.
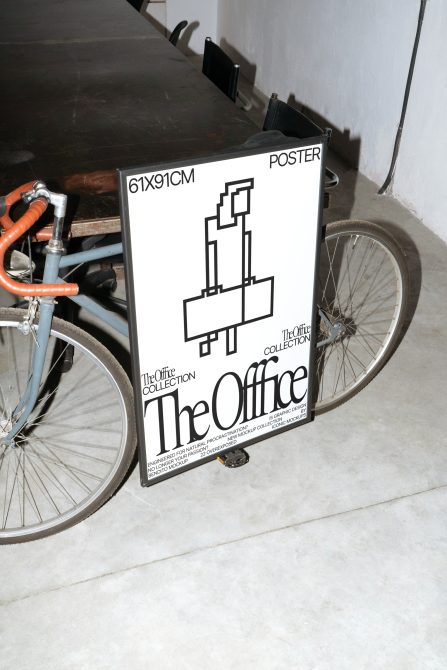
137	4
176	32
220	69
293	123
140	6
223	72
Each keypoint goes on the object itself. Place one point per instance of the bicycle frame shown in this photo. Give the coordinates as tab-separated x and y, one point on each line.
114	320
55	261
38	197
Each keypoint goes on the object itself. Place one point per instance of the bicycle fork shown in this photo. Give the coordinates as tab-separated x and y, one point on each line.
54	250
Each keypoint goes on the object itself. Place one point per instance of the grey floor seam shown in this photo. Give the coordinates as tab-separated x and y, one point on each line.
218	545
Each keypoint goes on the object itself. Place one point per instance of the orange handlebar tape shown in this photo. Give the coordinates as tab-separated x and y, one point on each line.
35	211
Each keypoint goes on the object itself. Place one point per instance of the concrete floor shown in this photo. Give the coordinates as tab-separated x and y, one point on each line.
327	551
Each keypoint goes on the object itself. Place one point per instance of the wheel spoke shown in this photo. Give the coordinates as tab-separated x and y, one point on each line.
360	291
67	458
71	471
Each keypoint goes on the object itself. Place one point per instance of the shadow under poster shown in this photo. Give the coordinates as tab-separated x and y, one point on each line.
221	259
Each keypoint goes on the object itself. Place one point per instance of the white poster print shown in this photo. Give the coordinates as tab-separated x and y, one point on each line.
223	257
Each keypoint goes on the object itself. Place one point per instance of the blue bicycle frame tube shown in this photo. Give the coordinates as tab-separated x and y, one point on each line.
91	255
116	321
53	262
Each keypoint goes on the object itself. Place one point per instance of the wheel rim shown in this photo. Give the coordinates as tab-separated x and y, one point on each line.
70	449
360	289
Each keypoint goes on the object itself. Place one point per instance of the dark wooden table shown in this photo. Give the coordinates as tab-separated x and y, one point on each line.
89	86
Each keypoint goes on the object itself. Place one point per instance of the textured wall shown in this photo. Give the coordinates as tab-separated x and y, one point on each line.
201	13
420	179
347	60
201	16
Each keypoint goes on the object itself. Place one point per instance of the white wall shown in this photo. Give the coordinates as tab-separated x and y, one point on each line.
200	14
420	180
158	11
348	61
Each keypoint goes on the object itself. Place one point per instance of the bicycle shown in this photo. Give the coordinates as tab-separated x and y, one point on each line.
49	480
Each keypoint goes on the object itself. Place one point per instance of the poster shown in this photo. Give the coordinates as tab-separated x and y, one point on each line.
220	259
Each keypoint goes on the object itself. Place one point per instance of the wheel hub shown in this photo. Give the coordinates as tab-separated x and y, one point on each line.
5	428
333	327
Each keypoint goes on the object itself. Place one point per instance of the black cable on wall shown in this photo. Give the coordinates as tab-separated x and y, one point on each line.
390	175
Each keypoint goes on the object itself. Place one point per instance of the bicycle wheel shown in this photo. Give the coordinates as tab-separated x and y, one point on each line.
362	302
78	442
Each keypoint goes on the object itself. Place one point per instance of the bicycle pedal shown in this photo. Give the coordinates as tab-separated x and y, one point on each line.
234	459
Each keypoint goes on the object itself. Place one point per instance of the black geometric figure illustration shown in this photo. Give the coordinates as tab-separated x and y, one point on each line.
233	296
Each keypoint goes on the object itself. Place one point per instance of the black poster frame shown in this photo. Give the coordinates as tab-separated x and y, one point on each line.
279	144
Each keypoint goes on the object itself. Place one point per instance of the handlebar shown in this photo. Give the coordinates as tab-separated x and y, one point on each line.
7	201
14	230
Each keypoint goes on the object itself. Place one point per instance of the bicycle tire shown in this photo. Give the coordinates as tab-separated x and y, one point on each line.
79	440
363	287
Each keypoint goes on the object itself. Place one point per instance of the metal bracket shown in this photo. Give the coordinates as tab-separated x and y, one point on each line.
26	325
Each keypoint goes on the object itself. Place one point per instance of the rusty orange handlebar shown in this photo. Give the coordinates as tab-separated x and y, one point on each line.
10	200
14	230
